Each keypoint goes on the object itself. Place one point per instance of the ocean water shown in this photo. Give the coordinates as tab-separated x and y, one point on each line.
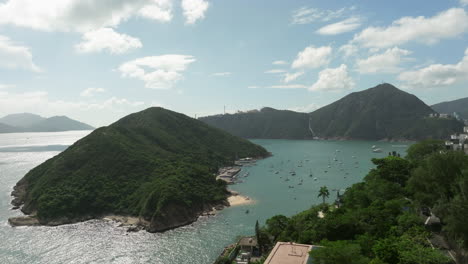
99	241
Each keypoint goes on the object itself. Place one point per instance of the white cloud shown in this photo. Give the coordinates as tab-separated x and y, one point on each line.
289	77
90	92
306	15
221	74
70	15
280	62
107	39
254	87
159	10
464	2
333	79
437	75
194	10
158	72
274	71
312	57
348	50
448	24
386	62
15	56
288	86
346	25
305	108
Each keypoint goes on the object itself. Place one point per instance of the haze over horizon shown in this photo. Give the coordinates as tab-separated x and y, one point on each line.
97	61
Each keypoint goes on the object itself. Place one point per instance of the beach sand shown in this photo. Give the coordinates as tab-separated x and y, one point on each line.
235	200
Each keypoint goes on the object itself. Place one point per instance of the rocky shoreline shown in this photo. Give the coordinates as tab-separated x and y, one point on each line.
132	223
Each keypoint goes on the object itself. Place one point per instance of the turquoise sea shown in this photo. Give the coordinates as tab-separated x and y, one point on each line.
98	241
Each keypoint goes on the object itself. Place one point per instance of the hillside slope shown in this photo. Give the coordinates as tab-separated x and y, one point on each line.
380	113
27	122
459	106
265	123
155	164
21	120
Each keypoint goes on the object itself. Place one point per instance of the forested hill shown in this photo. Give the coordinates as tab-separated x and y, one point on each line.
382	112
459	106
26	122
155	164
264	123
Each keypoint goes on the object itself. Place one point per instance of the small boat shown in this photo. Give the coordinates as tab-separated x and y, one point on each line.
276	172
377	150
286	180
293	173
329	166
299	183
326	171
247	211
315	179
291	187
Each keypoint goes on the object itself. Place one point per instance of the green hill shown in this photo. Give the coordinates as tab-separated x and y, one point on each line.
155	164
265	123
27	122
379	113
382	112
459	106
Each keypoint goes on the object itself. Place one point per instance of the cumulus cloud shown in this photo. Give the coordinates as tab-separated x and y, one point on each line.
159	10
107	39
307	15
289	77
464	2
274	71
221	74
6	86
15	56
447	24
194	10
348	50
386	62
333	79
312	57
90	92
437	75
344	26
158	72
280	62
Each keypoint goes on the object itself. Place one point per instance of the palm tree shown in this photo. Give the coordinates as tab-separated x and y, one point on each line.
324	193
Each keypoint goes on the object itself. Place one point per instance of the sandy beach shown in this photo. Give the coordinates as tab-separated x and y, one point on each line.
235	200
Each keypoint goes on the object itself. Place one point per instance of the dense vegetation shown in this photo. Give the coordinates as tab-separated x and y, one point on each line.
33	123
382	112
379	220
156	164
459	106
266	123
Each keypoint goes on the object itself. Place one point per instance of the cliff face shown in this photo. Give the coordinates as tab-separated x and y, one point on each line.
157	165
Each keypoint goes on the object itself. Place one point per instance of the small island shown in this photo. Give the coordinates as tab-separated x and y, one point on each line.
156	166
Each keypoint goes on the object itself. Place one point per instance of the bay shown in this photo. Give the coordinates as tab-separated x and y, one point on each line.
335	164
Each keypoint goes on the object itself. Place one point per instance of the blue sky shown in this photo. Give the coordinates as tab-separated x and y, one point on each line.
97	61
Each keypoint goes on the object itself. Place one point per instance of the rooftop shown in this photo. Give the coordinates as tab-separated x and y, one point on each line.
289	253
248	241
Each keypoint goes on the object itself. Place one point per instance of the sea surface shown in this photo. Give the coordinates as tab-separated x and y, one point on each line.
98	241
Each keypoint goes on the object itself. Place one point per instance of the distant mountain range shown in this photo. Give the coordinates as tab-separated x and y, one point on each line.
27	122
459	106
380	113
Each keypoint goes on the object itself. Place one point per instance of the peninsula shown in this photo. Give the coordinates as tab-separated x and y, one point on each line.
156	165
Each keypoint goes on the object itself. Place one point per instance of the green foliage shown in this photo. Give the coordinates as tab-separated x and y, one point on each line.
142	165
338	252
378	220
384	112
418	152
324	193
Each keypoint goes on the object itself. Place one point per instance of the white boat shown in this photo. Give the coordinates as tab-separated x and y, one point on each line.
315	179
377	150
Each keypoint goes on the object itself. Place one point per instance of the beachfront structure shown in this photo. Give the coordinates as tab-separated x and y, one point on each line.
290	253
458	142
248	244
228	174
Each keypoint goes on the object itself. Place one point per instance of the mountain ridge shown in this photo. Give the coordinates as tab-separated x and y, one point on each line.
459	106
383	112
27	122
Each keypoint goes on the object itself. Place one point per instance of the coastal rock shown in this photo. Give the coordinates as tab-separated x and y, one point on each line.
23	221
